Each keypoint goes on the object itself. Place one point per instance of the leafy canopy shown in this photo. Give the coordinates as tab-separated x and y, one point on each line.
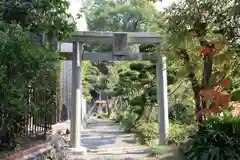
45	16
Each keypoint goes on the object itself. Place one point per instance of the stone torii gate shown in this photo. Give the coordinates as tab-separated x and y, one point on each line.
121	41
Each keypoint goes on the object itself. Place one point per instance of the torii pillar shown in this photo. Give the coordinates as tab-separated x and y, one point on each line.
120	42
77	49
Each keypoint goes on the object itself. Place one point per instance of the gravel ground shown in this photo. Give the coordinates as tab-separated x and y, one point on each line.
104	141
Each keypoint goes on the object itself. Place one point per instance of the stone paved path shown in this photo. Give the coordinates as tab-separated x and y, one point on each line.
105	141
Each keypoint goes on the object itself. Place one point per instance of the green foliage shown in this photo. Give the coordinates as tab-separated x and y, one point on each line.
49	17
171	152
135	81
91	74
133	15
138	100
179	132
86	68
217	138
138	85
102	116
24	64
184	28
28	71
160	150
235	95
128	121
181	113
146	133
118	116
192	25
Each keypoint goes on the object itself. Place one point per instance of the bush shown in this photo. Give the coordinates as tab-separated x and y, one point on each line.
181	113
147	133
128	121
117	116
180	132
160	150
217	138
170	152
102	116
25	64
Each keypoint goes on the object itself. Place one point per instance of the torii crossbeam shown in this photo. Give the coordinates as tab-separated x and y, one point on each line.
120	42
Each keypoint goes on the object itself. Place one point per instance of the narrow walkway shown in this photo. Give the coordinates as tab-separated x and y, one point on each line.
104	140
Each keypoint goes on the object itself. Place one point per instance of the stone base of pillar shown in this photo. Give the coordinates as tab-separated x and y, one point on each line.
82	151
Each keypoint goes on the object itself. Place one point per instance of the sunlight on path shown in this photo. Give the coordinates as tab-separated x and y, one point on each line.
104	140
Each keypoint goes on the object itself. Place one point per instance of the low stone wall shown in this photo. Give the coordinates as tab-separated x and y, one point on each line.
33	153
55	146
54	150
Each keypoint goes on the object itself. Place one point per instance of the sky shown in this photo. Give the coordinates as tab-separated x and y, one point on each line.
164	4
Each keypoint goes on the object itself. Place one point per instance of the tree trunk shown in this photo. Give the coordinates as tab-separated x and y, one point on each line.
115	102
149	114
121	103
108	107
196	87
140	113
198	103
207	73
195	84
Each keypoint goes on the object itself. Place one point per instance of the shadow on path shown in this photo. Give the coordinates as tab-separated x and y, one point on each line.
99	133
94	143
104	139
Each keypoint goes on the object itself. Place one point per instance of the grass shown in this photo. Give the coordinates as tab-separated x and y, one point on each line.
160	150
102	116
166	152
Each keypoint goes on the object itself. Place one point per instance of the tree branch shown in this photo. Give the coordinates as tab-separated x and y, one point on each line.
175	89
207	64
193	79
227	70
191	75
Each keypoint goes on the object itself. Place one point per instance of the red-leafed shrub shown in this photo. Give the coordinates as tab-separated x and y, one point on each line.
206	51
215	99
